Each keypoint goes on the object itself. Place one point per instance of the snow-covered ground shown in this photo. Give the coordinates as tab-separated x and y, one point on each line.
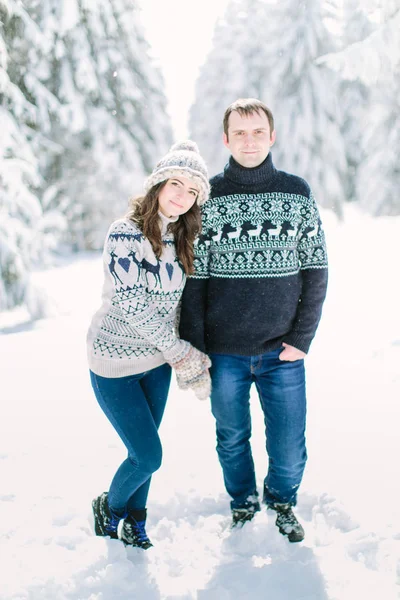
58	451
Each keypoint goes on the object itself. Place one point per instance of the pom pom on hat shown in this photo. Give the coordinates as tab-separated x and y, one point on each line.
185	145
182	159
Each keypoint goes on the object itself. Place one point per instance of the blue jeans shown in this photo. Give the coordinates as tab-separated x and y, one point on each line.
134	405
281	390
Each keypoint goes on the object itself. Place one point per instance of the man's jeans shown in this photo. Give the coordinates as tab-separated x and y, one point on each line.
134	405
281	389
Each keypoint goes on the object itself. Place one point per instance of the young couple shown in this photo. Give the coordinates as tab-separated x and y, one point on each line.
254	252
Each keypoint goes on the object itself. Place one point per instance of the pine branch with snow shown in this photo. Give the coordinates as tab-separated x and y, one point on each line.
84	121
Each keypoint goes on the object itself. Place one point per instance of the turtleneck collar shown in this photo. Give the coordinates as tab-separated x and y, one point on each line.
264	173
165	221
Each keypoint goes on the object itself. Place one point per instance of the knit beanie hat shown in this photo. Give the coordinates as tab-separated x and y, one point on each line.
182	159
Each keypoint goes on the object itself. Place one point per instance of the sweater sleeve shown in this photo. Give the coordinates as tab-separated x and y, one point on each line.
124	254
194	298
314	274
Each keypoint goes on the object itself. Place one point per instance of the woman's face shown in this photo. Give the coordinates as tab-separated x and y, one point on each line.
177	196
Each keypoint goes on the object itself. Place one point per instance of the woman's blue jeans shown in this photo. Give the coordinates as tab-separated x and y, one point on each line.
134	405
281	390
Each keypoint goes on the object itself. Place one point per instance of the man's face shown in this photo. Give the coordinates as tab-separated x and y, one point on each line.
249	138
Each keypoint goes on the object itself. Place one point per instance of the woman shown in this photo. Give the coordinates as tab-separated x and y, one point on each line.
133	341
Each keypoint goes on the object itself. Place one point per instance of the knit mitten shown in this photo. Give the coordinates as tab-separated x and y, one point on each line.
201	385
192	372
177	352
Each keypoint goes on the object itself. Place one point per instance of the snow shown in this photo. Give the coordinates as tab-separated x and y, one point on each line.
58	451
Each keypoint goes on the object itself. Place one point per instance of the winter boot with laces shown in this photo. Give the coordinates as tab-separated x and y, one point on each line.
287	522
105	522
134	530
240	516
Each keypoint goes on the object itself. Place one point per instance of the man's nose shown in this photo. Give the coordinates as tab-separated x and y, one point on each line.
249	139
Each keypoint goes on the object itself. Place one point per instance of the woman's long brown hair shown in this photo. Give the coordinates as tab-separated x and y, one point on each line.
144	213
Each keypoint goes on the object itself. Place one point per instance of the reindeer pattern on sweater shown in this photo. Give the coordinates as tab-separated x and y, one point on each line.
141	294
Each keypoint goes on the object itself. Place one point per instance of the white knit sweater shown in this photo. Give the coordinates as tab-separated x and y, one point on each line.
136	323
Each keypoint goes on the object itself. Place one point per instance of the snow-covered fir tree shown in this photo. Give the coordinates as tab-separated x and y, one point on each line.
375	61
235	67
376	57
304	98
83	120
378	179
26	231
114	124
354	95
268	50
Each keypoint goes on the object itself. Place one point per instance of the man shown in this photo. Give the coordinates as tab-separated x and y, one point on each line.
254	304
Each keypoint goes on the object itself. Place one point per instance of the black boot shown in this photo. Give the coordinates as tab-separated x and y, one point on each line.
287	522
134	530
105	522
241	515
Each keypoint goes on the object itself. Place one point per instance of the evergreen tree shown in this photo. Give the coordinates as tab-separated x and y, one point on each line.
236	67
375	61
354	96
26	233
83	122
379	175
304	99
113	124
375	58
268	50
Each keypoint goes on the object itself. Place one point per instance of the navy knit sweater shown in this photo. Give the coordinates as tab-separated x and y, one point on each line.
261	265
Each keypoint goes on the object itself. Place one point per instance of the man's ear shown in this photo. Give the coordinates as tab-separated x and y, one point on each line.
273	138
225	139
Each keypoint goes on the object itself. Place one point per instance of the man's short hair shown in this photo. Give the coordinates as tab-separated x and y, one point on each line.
246	107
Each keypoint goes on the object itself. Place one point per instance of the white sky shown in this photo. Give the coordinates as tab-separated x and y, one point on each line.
180	33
